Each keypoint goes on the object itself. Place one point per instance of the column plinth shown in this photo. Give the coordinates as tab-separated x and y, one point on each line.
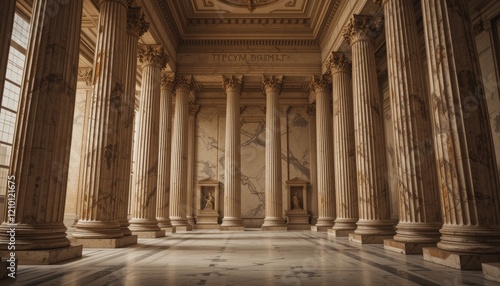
467	172
374	222
164	153
232	160
178	168
274	220
324	148
38	173
419	217
143	221
344	158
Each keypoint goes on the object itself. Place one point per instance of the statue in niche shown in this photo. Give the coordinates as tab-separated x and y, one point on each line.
296	202
209	205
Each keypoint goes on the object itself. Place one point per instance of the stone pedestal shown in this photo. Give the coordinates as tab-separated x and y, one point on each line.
491	271
178	168
458	260
374	224
405	247
38	175
46	256
106	242
151	234
296	207
232	168
207	219
324	148
298	219
274	220
344	158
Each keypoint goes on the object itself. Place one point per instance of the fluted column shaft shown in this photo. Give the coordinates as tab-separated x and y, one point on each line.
178	167
343	143
164	153
42	141
324	148
97	213
193	110
374	212
419	217
7	11
274	195
232	168
136	26
467	170
146	164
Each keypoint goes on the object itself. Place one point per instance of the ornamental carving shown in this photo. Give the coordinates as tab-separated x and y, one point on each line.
233	83
340	62
168	82
310	110
85	75
251	4
321	83
194	109
362	28
184	82
153	56
136	24
272	84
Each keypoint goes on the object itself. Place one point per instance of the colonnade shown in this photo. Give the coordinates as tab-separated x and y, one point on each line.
448	187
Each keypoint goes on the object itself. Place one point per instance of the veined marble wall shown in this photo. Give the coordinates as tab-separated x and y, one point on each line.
209	157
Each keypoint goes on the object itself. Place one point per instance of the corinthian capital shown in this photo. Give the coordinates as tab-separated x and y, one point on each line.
136	24
184	82
362	28
321	83
272	84
340	62
153	56
168	82
233	83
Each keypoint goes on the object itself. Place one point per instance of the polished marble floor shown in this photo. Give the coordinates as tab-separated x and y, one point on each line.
253	257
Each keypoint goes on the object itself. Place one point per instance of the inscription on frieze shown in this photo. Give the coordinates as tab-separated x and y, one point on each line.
250	57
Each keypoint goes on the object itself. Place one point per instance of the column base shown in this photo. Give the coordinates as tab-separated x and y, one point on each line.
169	230
340	232
368	238
491	271
320	228
232	228
298	226
274	228
178	228
191	220
46	256
105	242
206	226
458	260
405	247
149	234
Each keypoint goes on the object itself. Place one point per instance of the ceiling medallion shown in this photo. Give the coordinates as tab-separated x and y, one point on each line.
250	4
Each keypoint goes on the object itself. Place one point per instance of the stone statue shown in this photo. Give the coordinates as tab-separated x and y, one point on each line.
209	205
296	202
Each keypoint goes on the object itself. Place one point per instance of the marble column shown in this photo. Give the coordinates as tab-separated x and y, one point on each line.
313	201
344	158
374	222
136	27
419	217
7	11
467	171
97	225
321	86
178	168
193	110
164	153
143	221
38	173
274	221
232	159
